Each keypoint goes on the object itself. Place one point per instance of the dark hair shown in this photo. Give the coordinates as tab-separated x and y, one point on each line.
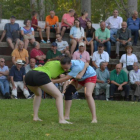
34	12
75	16
58	34
79	22
92	29
83	13
25	21
128	47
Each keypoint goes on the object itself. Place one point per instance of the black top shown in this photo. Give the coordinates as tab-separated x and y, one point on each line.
89	32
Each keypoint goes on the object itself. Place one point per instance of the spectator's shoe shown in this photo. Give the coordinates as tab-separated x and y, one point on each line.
48	41
75	95
42	41
14	97
7	96
30	96
107	99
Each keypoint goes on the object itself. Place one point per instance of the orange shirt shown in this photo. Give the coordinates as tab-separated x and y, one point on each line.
52	21
20	55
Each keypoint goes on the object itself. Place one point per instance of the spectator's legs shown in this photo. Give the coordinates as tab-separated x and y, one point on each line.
129	43
125	69
117	47
6	86
48	32
136	35
89	87
32	41
73	46
112	33
113	88
25	91
95	45
9	41
2	87
16	45
26	42
108	45
97	87
91	48
63	31
67	53
126	90
57	30
14	91
40	33
107	87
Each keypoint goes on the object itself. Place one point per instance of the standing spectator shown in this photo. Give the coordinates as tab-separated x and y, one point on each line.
31	65
37	54
76	35
133	24
131	59
123	37
53	52
11	30
28	33
119	81
134	77
67	22
52	25
81	54
114	23
90	36
20	53
62	46
35	25
103	80
83	19
4	84
17	75
102	35
100	56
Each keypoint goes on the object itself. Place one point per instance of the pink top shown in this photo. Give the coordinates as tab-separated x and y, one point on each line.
69	19
83	57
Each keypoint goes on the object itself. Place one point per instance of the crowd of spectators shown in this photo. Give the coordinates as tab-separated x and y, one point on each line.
82	35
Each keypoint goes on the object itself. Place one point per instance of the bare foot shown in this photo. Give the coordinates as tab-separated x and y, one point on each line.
64	122
94	121
37	119
66	118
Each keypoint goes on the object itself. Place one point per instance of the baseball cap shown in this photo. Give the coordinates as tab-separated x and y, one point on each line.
81	44
19	62
54	44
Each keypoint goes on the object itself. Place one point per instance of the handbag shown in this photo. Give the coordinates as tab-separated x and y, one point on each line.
129	67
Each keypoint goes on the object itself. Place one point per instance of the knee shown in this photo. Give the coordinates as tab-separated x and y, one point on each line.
107	86
26	41
64	29
117	43
47	28
97	86
87	95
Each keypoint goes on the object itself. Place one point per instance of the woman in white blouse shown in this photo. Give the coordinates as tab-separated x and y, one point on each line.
131	58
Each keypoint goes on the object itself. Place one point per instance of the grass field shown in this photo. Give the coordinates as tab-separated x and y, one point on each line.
116	121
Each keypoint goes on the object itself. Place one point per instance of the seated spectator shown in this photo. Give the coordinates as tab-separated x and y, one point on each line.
100	56
17	75
37	54
67	22
52	25
62	46
131	59
11	30
83	19
134	77
119	81
123	38
103	80
90	36
20	53
53	52
133	23
31	65
113	23
35	25
102	35
81	54
4	84
76	35
28	33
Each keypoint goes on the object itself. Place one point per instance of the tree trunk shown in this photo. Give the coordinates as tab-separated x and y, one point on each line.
86	6
132	6
41	10
0	12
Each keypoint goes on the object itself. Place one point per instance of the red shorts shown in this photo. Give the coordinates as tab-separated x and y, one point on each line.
88	80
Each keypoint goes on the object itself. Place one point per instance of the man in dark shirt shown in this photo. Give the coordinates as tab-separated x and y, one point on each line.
17	75
11	30
123	37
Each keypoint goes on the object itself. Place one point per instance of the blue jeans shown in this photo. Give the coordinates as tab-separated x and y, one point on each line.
107	44
136	35
4	86
113	31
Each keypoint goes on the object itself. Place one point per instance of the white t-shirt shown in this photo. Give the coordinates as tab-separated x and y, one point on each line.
130	59
62	45
98	58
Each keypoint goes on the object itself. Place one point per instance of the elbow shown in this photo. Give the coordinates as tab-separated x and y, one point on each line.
79	77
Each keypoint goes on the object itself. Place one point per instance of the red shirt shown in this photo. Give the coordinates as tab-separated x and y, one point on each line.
35	52
34	21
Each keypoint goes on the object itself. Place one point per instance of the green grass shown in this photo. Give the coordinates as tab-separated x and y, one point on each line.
116	121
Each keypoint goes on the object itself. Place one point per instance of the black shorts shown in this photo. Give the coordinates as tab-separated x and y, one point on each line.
36	78
67	30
